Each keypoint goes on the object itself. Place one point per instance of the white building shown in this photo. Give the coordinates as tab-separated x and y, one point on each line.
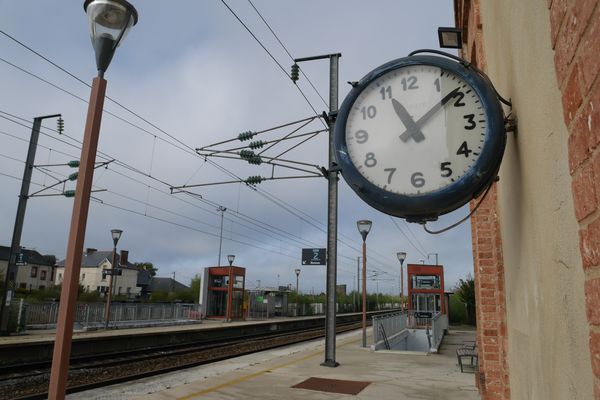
91	275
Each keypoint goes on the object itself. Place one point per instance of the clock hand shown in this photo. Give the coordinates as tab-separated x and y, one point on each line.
408	133
412	130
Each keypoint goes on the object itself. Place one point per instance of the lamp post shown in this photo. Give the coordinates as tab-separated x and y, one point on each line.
110	21
230	259
364	226
401	257
297	271
116	235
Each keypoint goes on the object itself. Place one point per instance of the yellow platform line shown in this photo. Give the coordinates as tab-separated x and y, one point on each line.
254	375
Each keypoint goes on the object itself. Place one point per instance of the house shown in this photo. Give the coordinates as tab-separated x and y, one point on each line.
168	285
91	275
34	270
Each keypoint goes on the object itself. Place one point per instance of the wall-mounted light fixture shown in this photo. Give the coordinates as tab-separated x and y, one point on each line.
450	38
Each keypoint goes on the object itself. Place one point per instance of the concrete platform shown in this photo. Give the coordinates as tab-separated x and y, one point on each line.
272	374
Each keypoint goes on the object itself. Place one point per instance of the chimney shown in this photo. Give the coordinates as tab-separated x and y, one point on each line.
124	257
90	250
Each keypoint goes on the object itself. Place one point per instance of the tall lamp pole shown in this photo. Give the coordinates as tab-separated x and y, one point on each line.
401	257
116	235
230	259
297	271
110	20
364	227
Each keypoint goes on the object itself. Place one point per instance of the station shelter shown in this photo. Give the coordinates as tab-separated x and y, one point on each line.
426	289
216	288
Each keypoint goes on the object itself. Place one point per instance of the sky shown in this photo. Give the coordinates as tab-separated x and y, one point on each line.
189	75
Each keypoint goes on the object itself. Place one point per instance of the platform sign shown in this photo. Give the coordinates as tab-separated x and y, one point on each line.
314	257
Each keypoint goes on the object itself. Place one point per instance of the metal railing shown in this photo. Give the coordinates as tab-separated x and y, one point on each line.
386	326
87	315
419	319
439	323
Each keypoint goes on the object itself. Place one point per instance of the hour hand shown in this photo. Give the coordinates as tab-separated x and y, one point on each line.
412	128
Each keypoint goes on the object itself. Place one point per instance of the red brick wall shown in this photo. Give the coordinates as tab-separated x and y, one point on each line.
492	340
575	35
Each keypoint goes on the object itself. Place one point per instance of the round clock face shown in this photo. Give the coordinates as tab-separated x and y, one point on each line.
419	129
415	130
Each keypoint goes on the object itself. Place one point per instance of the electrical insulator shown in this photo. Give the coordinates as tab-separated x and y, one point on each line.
60	125
245	136
247	154
295	73
73	176
256	160
73	163
254	180
257	144
69	193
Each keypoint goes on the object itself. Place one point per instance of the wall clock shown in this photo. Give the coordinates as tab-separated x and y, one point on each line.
420	136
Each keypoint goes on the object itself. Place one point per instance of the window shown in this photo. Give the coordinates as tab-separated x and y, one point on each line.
59	277
34	272
42	287
82	276
43	275
22	286
425	282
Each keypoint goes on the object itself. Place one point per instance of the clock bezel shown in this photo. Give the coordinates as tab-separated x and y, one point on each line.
427	206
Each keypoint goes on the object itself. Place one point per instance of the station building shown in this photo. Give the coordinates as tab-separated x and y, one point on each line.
426	289
536	237
217	286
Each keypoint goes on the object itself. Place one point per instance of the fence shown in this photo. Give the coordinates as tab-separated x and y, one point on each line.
87	315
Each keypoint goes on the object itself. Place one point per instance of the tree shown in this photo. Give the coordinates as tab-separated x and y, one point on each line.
148	266
465	291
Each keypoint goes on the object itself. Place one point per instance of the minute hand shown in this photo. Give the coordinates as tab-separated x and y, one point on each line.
407	134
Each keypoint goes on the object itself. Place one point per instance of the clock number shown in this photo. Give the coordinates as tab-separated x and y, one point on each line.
417	180
458	102
437	84
369	112
471	120
446	170
370	160
361	136
386	91
409	83
391	171
464	149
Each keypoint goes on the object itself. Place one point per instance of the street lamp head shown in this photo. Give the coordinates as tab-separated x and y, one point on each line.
297	271
230	258
401	257
364	226
116	235
110	21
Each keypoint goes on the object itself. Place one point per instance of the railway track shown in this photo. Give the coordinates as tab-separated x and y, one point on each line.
30	380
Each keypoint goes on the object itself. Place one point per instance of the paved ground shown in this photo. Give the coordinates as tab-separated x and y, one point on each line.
271	375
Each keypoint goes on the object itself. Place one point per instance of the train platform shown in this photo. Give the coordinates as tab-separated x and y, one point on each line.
42	335
294	372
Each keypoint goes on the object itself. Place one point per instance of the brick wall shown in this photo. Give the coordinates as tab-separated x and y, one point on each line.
492	341
575	35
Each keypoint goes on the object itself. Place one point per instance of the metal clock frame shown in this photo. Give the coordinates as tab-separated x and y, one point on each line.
427	207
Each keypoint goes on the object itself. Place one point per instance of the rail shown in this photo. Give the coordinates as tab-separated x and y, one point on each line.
386	327
439	324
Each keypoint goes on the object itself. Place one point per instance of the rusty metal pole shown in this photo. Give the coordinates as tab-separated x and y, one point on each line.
364	294
230	294
68	297
110	288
